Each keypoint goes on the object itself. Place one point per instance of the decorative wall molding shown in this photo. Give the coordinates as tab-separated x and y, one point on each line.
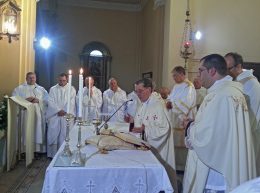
105	5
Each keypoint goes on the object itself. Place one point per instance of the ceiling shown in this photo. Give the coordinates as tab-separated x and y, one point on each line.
121	1
124	5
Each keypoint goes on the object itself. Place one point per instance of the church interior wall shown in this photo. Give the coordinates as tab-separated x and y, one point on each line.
118	30
17	57
173	30
9	63
152	41
226	26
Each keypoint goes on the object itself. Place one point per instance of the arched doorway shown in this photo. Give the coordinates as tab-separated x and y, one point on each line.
96	60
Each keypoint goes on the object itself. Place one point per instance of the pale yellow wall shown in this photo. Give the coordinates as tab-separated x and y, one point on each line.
17	58
226	26
173	29
118	30
152	41
9	63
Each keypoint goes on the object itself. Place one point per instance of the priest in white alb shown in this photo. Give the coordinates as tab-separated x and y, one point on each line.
113	98
181	105
38	96
152	121
251	87
182	99
221	153
61	102
132	105
92	98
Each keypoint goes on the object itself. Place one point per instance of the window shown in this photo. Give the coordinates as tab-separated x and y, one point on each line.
96	61
96	53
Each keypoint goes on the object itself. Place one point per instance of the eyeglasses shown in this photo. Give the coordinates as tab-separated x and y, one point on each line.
230	68
141	91
201	70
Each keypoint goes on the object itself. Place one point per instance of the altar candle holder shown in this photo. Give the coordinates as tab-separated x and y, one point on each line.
66	151
89	112
78	159
96	122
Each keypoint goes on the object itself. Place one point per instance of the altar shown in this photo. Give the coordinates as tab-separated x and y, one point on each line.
119	171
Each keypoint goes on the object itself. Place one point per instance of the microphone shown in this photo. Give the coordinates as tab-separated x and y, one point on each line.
105	123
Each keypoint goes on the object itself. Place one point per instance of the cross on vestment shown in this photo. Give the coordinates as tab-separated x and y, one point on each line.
155	117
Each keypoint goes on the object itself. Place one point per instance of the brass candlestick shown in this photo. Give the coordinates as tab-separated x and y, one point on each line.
78	159
66	151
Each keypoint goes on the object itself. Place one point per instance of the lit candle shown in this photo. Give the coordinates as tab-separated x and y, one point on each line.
89	89
80	92
69	91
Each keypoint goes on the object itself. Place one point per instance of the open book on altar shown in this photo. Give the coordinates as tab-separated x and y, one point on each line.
115	140
21	119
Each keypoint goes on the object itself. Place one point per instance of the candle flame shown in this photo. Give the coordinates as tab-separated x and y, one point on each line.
81	71
70	72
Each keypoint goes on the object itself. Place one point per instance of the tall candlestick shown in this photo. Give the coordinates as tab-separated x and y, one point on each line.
89	87
80	92
69	91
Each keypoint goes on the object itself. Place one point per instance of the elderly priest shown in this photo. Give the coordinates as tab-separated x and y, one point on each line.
113	98
221	154
38	96
251	87
151	120
58	107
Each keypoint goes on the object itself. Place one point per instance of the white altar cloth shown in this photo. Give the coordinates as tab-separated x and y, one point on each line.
120	171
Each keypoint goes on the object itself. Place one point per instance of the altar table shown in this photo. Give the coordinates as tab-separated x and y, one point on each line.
119	171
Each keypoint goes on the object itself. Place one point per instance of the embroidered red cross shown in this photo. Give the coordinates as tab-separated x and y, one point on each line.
155	117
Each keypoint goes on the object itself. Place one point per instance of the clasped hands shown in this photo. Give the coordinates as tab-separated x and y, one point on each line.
169	105
186	122
128	118
61	113
32	99
138	129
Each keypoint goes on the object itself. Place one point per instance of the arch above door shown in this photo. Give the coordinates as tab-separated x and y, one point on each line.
96	65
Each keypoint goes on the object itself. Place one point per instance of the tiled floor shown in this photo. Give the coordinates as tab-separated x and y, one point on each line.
24	180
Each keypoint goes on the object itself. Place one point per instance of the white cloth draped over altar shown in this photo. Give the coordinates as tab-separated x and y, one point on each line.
121	171
252	186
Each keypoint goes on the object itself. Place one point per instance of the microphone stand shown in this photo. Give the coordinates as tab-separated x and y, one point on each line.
105	123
